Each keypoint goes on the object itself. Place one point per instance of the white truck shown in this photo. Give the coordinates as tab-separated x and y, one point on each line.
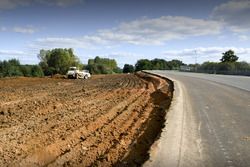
75	73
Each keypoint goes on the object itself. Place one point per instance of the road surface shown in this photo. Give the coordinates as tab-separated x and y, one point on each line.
208	123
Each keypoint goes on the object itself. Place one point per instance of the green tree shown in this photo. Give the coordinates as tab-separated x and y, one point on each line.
26	70
128	68
157	64
229	56
160	64
100	65
12	68
1	69
117	70
225	67
175	64
143	64
209	67
242	66
36	71
57	60
91	61
97	60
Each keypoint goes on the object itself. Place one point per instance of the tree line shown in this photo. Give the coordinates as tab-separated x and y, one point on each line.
58	61
228	65
13	67
155	64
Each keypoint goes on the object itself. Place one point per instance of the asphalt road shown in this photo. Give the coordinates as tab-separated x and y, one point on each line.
208	123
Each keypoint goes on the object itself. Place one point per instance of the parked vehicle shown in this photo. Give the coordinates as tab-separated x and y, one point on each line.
75	73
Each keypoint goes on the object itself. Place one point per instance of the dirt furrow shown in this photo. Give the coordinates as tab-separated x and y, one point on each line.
64	125
95	122
109	132
61	146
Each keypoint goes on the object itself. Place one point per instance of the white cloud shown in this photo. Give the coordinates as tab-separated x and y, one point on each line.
207	54
139	32
11	52
235	14
24	30
10	4
86	42
159	30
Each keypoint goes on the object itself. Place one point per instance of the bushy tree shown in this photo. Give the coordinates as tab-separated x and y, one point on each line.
118	70
26	70
160	64
239	68
225	67
36	71
57	60
229	56
209	67
175	64
242	66
157	64
102	66
143	64
13	67
128	68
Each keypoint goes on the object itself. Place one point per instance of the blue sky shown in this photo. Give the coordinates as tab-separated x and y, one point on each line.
126	30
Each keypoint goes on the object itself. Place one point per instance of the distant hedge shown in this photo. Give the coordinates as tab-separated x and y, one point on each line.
100	65
11	68
158	64
232	68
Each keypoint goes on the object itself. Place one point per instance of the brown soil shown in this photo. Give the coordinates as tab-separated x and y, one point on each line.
108	120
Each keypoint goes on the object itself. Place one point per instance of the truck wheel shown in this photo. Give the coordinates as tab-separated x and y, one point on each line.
86	77
77	76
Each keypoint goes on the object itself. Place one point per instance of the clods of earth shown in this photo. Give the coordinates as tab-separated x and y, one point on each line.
108	120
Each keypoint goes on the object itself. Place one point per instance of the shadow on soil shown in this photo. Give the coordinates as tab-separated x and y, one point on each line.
152	128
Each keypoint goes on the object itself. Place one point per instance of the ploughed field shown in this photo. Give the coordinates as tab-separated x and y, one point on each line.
108	120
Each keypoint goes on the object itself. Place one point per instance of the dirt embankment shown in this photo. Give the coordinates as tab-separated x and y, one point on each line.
105	121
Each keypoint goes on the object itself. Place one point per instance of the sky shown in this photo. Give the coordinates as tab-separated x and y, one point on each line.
126	30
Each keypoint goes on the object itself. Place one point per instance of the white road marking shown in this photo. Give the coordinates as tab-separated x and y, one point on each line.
222	148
